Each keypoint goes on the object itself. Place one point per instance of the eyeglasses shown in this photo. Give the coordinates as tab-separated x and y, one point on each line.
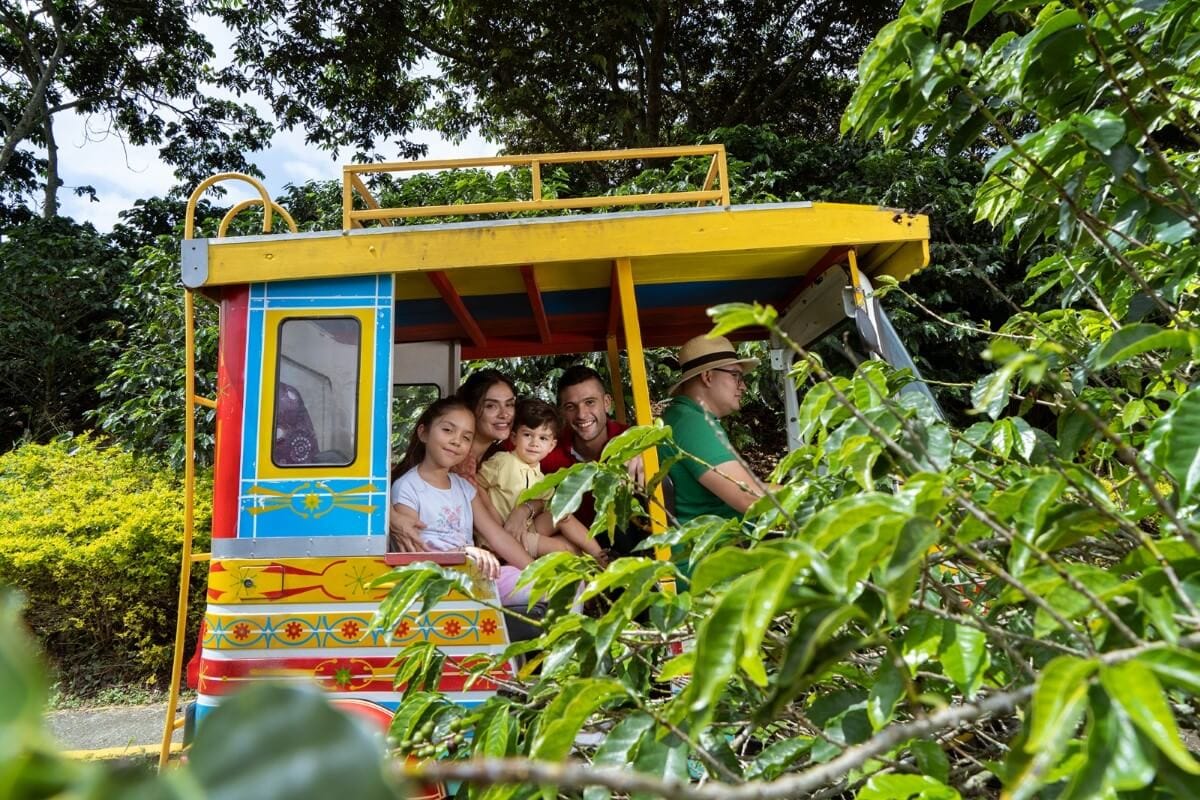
736	373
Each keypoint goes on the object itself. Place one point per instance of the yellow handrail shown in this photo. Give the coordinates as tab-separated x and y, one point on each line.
352	184
191	400
189	482
254	201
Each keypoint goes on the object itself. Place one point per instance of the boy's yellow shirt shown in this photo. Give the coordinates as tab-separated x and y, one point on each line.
506	477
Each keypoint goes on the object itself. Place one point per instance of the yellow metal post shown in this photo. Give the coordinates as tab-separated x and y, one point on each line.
190	401
723	172
641	388
615	379
189	479
711	176
855	280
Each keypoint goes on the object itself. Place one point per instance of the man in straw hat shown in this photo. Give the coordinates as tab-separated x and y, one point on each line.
709	388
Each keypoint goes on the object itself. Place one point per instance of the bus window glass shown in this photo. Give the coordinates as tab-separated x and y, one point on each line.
316	397
408	401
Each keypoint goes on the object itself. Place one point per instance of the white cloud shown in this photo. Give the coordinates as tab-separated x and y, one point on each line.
102	214
123	173
89	154
296	171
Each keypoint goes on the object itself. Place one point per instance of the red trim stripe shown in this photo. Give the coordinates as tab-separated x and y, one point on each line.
231	376
341	674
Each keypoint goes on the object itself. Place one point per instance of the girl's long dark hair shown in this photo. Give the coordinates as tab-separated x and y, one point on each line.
415	453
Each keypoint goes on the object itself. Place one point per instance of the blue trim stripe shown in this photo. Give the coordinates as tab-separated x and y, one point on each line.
381	408
255	326
584	301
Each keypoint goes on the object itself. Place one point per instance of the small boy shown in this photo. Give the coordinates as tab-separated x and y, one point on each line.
506	475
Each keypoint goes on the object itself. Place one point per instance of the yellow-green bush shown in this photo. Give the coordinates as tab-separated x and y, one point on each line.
92	536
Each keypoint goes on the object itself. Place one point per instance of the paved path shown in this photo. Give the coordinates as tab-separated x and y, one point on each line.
110	727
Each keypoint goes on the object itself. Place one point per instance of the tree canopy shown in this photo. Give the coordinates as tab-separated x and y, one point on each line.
138	70
58	328
537	76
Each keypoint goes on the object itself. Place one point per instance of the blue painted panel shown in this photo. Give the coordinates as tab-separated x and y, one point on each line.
313	507
255	329
339	506
357	287
206	705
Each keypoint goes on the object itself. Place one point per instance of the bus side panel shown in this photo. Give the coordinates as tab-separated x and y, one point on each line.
317	372
231	370
308	621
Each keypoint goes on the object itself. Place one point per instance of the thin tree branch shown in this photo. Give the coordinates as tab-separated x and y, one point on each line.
577	775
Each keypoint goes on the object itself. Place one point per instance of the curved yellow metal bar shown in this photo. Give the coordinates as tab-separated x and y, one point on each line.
232	213
189	219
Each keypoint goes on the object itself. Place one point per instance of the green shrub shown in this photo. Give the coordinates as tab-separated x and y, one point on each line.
92	536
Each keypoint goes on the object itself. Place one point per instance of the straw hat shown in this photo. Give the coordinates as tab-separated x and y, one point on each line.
704	353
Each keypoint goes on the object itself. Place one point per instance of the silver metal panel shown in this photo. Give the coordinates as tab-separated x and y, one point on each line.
503	223
193	260
881	338
816	310
781	361
436	363
299	546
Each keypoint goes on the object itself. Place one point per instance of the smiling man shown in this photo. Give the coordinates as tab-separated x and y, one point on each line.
585	405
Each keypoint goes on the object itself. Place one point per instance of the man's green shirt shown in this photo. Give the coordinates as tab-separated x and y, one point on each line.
699	433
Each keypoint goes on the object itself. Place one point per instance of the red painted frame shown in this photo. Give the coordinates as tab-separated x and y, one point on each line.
231	388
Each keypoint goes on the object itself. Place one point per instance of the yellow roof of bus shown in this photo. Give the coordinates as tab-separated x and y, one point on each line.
545	284
483	281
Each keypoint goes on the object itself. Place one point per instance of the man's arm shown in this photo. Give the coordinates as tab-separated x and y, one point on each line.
723	480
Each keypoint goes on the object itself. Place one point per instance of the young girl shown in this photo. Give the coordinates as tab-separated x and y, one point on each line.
448	506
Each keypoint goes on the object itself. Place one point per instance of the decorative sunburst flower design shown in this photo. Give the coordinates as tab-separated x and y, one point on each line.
312	499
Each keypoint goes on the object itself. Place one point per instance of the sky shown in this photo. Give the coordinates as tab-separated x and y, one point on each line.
123	173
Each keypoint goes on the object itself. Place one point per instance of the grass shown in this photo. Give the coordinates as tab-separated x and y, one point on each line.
62	699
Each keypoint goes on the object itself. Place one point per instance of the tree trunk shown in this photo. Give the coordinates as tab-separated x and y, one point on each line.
655	60
50	201
39	82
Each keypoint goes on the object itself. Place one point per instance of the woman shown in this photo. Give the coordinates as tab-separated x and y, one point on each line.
493	397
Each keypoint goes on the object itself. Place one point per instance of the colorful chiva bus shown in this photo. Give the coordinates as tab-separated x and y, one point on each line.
322	334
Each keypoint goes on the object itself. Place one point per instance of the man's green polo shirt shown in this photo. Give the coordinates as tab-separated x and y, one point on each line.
698	432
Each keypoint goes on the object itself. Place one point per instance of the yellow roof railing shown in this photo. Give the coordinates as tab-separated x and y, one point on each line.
715	189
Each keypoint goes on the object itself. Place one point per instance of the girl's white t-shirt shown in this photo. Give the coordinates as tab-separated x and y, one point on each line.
446	513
